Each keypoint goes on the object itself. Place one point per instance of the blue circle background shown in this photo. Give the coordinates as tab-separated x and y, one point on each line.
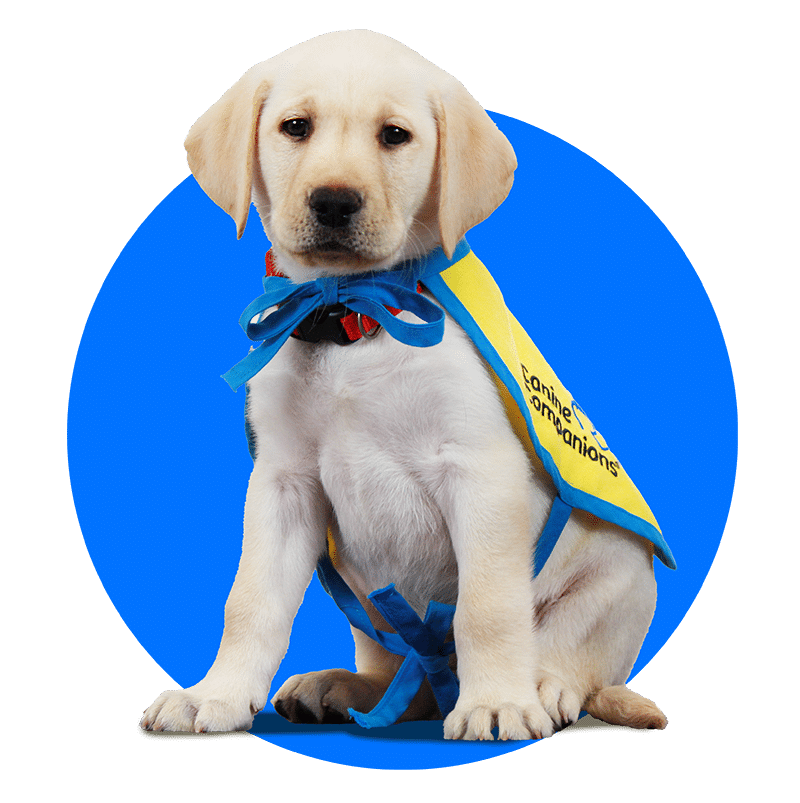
159	462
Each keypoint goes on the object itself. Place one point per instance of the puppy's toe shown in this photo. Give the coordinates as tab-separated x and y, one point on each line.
511	724
173	711
295	711
561	703
479	724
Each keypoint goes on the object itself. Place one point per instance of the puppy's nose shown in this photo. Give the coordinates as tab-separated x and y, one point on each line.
334	206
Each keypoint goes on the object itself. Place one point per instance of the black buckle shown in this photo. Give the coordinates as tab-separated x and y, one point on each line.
324	323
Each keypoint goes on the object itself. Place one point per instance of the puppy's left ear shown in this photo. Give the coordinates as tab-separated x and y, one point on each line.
221	144
476	163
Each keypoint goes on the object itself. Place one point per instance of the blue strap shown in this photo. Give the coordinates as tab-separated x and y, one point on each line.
367	293
556	521
348	602
422	642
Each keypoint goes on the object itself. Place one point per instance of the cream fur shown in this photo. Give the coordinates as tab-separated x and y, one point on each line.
408	451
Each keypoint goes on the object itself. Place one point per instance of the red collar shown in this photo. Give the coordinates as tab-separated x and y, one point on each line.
350	328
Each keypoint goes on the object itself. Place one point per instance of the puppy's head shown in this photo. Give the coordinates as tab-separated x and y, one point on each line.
357	152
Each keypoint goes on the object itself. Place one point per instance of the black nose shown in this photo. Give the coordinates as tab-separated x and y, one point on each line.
334	206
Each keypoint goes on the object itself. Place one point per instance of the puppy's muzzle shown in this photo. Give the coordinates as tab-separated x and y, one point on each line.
334	207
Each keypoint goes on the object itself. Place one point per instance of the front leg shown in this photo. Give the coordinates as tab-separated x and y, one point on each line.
284	534
492	514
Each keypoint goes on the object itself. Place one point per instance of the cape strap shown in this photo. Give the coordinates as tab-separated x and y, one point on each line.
422	642
367	293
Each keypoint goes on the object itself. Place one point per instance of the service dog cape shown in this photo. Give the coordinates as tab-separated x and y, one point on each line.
547	420
545	417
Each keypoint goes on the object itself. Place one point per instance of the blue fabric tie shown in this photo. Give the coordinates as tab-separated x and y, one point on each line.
422	642
367	293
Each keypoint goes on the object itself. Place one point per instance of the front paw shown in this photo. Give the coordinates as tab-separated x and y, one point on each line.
196	711
476	721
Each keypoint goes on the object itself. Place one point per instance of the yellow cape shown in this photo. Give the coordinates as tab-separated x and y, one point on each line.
545	417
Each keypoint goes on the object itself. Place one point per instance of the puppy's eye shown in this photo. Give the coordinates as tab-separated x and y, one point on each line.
298	127
394	135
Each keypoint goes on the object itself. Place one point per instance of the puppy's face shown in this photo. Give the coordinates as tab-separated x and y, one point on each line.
346	154
357	152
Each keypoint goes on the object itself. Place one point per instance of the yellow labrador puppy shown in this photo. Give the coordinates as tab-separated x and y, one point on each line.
359	154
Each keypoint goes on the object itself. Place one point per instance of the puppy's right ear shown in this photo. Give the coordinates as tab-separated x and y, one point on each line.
221	144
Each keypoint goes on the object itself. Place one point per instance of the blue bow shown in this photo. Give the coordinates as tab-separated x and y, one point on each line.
422	642
367	293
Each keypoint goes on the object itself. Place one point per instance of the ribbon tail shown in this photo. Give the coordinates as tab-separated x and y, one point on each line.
275	330
426	638
445	689
405	684
254	361
444	683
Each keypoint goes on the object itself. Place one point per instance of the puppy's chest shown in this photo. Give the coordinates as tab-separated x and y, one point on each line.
385	421
393	429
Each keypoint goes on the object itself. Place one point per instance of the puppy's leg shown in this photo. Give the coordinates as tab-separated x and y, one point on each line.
284	534
593	604
326	696
489	512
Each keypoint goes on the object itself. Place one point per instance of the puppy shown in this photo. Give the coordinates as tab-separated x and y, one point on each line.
358	155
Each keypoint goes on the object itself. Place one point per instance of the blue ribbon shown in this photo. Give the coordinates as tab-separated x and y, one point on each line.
422	642
367	293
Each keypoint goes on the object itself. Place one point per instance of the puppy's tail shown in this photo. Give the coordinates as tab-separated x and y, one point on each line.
618	705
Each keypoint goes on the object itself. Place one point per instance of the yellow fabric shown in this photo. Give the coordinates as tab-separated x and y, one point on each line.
332	553
564	431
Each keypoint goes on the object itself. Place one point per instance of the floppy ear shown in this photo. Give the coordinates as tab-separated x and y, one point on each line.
221	144
476	164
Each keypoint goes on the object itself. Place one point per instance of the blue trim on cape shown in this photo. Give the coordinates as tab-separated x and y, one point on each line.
548	538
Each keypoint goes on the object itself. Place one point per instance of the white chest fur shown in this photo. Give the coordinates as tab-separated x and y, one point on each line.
386	429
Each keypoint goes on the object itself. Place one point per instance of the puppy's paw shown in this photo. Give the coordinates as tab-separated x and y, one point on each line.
469	722
561	703
192	711
324	697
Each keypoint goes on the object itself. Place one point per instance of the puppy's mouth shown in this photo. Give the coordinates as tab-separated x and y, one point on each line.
353	248
332	247
336	260
332	250
325	251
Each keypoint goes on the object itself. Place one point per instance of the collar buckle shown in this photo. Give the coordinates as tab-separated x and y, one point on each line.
324	323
